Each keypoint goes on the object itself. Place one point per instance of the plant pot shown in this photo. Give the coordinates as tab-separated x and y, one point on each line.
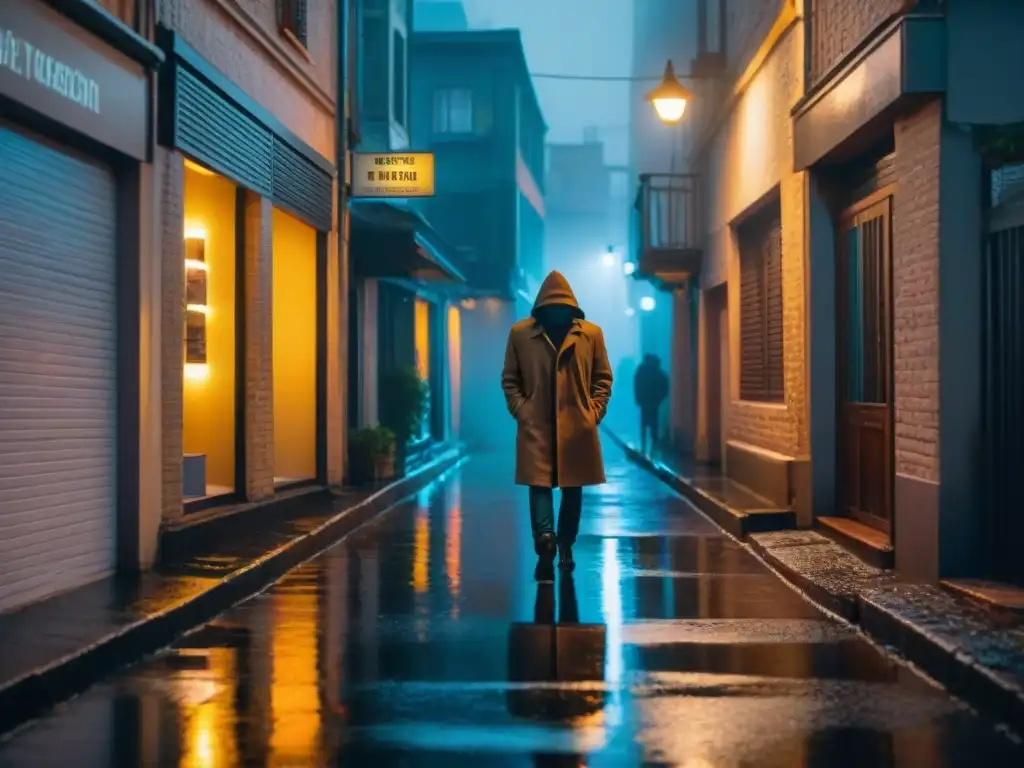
367	469
384	467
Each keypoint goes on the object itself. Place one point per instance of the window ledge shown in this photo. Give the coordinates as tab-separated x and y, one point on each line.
294	41
765	404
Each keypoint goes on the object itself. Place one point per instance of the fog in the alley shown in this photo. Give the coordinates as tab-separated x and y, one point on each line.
422	640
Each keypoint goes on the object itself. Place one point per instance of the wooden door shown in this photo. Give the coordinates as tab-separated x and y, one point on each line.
864	363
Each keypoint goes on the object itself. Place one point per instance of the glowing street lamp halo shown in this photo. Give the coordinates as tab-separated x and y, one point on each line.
670	96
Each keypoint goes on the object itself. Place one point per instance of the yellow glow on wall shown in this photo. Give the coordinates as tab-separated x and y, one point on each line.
454	369
295	680
422	336
421	551
294	268
208	413
207	704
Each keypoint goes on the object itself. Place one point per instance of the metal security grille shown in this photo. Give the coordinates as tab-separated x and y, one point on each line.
761	345
1004	399
58	363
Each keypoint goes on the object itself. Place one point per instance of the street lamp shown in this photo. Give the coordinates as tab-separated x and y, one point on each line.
609	257
670	97
647	303
629	268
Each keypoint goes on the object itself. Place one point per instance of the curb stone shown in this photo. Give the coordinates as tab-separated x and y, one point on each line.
31	695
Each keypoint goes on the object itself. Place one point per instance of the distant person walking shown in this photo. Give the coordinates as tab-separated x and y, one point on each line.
650	388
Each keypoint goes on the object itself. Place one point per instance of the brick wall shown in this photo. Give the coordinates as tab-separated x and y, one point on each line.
172	236
751	157
259	349
837	26
240	38
915	274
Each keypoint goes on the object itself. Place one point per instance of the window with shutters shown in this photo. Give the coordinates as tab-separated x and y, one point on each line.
291	18
761	366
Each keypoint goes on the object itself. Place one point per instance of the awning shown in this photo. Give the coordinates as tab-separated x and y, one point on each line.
392	240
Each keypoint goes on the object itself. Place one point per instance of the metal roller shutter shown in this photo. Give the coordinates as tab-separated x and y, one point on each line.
57	370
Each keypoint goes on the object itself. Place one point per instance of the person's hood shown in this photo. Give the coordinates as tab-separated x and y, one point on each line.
556	290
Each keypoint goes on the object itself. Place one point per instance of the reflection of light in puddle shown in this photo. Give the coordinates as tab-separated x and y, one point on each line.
481	738
611	607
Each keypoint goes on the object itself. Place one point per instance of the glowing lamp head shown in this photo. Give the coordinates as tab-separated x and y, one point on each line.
608	259
629	267
630	311
647	303
670	97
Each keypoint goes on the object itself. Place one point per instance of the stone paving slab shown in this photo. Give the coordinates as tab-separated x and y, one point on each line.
976	652
57	648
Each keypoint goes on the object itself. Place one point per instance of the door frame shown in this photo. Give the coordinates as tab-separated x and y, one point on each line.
850	218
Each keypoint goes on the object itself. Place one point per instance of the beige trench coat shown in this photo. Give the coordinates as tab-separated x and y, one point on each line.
578	393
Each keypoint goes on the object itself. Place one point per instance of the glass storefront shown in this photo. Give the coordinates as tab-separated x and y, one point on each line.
295	348
208	408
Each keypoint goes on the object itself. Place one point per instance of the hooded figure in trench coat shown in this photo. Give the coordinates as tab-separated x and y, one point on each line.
557	383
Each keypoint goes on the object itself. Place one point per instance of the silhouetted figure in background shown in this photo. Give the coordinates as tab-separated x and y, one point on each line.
650	388
557	382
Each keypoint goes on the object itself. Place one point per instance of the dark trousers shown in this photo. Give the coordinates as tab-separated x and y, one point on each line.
542	513
648	426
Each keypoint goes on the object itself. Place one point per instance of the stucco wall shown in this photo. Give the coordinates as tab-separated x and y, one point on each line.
749	158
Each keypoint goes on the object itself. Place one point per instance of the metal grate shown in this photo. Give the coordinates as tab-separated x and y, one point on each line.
231	142
301	186
1004	399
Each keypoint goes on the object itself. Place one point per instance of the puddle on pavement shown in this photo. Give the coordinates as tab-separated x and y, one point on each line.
406	646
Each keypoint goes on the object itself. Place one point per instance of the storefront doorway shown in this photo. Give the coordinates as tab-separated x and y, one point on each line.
295	291
209	390
864	362
58	368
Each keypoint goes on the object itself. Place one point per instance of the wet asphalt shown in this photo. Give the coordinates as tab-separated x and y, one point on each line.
422	640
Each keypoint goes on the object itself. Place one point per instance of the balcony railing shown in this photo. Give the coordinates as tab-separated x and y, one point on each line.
666	230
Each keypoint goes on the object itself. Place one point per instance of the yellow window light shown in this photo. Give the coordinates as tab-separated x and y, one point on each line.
202	309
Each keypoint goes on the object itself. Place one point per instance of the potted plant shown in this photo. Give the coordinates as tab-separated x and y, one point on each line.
403	406
371	455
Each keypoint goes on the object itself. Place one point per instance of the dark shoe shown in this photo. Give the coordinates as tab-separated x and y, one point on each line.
565	561
545	571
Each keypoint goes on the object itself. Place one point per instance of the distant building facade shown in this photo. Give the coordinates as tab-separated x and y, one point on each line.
440	16
475	108
398	304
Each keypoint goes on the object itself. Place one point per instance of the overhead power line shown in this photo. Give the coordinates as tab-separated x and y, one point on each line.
608	79
593	78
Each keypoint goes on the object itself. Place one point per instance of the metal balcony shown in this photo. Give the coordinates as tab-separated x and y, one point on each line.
666	236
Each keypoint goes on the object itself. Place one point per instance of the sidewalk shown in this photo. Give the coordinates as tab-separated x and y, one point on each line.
975	651
56	648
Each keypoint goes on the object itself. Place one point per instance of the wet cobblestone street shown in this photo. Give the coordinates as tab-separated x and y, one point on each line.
422	640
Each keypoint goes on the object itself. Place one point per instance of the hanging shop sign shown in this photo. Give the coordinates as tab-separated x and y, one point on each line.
393	174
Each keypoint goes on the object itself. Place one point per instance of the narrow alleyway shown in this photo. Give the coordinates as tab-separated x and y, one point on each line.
422	640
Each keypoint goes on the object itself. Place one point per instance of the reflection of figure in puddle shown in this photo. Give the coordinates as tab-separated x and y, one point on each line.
564	660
